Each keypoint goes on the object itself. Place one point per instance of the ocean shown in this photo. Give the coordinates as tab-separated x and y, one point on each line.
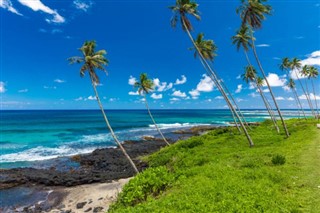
31	136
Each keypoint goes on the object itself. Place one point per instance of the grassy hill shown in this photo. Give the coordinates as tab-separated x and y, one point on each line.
218	172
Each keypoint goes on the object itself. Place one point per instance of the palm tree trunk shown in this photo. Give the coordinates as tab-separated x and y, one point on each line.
110	128
314	113
214	80
304	91
265	77
315	99
145	99
266	102
297	98
219	86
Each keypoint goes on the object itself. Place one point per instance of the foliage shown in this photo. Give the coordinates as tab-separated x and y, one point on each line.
217	172
278	160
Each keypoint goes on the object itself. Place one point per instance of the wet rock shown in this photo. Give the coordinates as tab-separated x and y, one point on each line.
81	205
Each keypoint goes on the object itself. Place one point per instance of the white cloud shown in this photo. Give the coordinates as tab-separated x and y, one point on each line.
239	100
265	90
7	4
174	99
253	95
194	93
219	98
180	94
2	87
275	81
79	99
133	93
83	5
59	81
290	99
112	99
286	88
182	81
280	98
239	88
37	5
238	77
47	87
252	85
205	84
312	60
155	96
132	80
263	45
161	86
92	98
311	95
23	90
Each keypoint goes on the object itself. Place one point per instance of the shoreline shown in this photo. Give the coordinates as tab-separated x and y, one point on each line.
102	167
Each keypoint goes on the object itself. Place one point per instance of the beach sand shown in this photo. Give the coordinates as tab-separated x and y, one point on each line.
95	197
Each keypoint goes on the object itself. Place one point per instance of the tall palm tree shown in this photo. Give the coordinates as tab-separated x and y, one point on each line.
182	10
93	60
285	66
305	72
145	85
250	75
292	86
313	74
252	13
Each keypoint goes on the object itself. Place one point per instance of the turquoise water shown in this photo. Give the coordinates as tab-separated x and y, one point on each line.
28	136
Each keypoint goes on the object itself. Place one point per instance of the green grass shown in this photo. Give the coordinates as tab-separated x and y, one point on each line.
218	172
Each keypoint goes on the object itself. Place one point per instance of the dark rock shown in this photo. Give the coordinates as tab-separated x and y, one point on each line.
89	209
81	205
97	209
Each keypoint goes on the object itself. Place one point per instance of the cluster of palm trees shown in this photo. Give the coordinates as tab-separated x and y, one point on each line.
252	13
306	71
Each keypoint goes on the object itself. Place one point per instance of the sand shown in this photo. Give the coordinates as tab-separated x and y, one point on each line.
97	196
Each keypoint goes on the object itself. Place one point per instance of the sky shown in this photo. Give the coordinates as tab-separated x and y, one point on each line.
38	36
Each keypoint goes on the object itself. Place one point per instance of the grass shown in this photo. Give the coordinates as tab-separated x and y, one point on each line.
218	172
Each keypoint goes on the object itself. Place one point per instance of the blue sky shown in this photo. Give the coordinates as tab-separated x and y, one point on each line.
37	37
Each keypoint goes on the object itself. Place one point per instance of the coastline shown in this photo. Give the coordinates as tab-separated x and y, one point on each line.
104	168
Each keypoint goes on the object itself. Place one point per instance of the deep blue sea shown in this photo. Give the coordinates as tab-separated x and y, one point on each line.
37	135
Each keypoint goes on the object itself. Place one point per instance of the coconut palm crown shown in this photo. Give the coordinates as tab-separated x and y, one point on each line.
145	85
242	38
182	9
250	74
206	47
285	64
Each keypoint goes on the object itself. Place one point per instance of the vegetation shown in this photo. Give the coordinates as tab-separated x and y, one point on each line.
217	173
93	60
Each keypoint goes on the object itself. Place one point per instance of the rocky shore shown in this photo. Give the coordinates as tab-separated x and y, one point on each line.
100	166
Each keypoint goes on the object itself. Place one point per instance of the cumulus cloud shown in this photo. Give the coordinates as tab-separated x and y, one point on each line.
275	81
312	60
290	99
91	98
132	80
59	81
194	93
219	98
205	84
238	77
23	90
280	98
311	95
161	86
180	94
174	99
155	96
83	5
2	87
37	5
239	88
263	45
182	81
253	95
133	93
7	4
79	99
252	85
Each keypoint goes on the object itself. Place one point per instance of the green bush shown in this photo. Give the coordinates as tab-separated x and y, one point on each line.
278	160
150	182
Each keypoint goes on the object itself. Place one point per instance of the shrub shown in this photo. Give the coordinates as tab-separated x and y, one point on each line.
278	160
151	182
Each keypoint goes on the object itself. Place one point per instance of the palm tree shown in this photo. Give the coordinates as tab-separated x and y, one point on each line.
250	75
292	86
252	13
313	74
93	60
182	10
305	72
145	85
285	66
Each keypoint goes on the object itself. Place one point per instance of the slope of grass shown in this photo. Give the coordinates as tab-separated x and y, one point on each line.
218	172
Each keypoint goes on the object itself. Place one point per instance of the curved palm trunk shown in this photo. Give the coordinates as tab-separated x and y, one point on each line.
214	80
110	128
266	102
314	113
315	99
272	95
304	91
297	98
145	99
219	86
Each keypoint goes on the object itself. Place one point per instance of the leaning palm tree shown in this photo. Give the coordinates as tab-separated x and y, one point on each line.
305	70
250	75
182	10
93	60
285	65
292	86
145	85
313	74
252	13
